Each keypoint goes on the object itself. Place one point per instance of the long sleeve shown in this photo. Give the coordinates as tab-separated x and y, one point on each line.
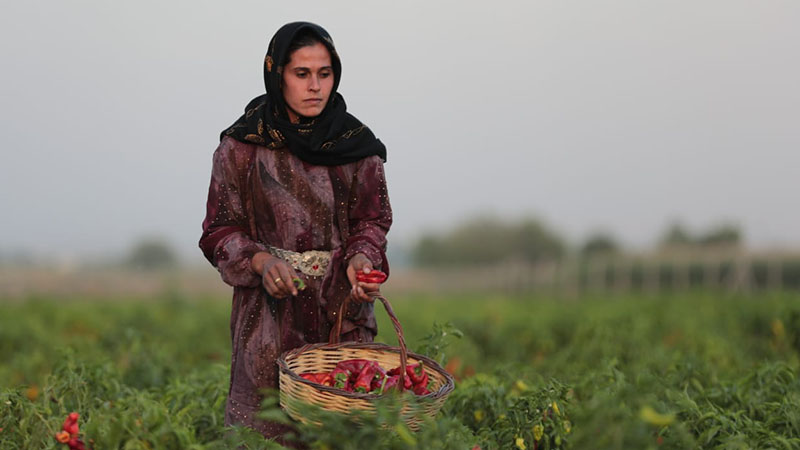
225	241
370	214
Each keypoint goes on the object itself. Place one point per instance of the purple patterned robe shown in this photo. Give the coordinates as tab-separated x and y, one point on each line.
262	197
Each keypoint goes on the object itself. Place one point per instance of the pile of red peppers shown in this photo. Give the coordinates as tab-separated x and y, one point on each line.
365	376
69	433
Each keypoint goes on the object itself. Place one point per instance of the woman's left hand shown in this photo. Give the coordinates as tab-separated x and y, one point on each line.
361	291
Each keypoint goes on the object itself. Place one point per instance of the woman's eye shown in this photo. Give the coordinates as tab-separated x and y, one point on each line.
301	74
325	74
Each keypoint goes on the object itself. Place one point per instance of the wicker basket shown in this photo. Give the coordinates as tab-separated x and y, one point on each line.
324	357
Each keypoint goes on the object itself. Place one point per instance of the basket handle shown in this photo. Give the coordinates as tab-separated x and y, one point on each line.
334	339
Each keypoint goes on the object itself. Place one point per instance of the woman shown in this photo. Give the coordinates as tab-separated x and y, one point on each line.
297	191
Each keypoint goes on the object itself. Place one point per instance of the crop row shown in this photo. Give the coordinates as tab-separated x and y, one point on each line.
694	371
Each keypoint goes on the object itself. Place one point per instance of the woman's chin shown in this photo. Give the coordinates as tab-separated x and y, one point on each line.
310	113
305	113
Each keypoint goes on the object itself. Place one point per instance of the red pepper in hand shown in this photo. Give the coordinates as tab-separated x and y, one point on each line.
374	276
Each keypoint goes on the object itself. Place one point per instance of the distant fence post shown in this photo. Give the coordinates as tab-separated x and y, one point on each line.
622	274
568	277
774	273
711	272
741	276
680	274
652	275
597	268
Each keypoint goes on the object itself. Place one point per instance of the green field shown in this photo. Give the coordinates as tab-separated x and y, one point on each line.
685	371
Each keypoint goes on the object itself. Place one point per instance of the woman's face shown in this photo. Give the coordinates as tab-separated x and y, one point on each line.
307	81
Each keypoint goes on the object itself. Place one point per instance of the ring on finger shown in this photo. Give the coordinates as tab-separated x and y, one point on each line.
277	280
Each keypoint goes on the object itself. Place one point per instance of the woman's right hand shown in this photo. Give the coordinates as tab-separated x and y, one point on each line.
276	274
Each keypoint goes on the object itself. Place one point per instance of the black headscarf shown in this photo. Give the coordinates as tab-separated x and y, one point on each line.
334	137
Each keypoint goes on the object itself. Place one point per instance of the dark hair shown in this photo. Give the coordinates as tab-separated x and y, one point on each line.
305	38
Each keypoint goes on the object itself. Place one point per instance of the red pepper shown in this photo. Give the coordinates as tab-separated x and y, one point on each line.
424	381
340	378
326	380
389	383
352	365
62	436
71	424
416	372
420	389
406	379
309	376
70	432
364	380
76	444
345	374
377	380
393	380
374	276
323	378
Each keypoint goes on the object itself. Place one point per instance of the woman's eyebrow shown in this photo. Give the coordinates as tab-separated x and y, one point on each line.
299	68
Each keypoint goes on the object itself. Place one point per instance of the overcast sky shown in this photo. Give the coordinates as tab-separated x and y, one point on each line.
612	115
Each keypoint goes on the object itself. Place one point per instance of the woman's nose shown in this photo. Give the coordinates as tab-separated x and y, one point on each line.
314	83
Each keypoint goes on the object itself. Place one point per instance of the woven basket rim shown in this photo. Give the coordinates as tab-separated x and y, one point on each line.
444	390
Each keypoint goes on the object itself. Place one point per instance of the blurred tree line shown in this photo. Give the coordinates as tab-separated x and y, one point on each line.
151	253
723	235
486	240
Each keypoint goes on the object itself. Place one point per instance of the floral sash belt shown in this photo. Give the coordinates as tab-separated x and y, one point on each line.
312	262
